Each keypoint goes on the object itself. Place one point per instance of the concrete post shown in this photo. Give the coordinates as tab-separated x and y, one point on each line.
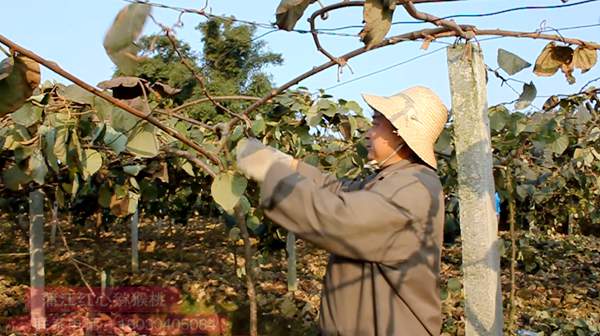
135	261
36	259
292	281
481	257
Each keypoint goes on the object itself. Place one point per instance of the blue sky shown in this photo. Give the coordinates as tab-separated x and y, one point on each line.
70	32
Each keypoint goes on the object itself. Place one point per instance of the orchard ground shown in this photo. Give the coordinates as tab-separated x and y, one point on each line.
558	277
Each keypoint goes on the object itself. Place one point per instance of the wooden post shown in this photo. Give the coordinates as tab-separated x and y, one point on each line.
479	230
36	259
291	271
135	261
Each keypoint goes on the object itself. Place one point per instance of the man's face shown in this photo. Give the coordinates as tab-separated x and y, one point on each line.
381	138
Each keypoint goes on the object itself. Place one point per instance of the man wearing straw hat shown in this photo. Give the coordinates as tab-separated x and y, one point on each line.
384	233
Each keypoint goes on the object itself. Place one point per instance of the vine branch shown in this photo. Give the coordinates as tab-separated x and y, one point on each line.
116	102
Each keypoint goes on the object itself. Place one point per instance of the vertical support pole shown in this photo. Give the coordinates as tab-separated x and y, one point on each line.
36	259
54	223
291	271
479	230
135	262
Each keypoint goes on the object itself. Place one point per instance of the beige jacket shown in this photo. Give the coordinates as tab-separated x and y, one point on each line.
385	238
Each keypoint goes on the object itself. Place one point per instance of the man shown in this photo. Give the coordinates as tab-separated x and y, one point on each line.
384	233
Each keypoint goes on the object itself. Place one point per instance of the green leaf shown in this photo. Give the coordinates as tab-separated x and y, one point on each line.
188	168
378	21
104	196
103	109
27	115
120	38
115	140
14	178
510	62
227	189
37	167
245	205
353	106
133	170
253	223
234	233
454	284
143	142
78	95
92	161
444	143
258	126
122	120
289	12
60	144
353	125
559	145
19	84
526	97
49	138
499	117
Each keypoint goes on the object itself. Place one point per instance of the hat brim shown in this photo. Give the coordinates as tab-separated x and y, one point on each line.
413	138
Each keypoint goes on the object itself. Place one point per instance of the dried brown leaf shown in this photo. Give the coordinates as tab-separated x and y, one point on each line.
289	12
584	58
19	84
551	59
378	21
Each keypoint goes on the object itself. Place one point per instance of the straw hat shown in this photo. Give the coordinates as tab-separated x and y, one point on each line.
418	115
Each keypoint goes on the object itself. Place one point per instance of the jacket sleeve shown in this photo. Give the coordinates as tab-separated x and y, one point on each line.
370	225
321	180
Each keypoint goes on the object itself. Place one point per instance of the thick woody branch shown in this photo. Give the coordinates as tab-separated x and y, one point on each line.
432	34
412	11
149	118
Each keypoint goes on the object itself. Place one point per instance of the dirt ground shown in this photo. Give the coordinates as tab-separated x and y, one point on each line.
558	279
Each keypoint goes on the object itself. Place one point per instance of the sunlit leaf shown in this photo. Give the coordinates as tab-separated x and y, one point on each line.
117	141
143	142
92	161
510	62
559	145
27	115
76	94
584	58
37	167
527	96
227	189
133	170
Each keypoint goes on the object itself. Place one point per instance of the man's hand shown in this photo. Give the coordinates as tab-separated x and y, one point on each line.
254	159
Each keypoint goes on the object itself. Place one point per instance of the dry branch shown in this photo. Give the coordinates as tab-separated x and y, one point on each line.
433	33
412	11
